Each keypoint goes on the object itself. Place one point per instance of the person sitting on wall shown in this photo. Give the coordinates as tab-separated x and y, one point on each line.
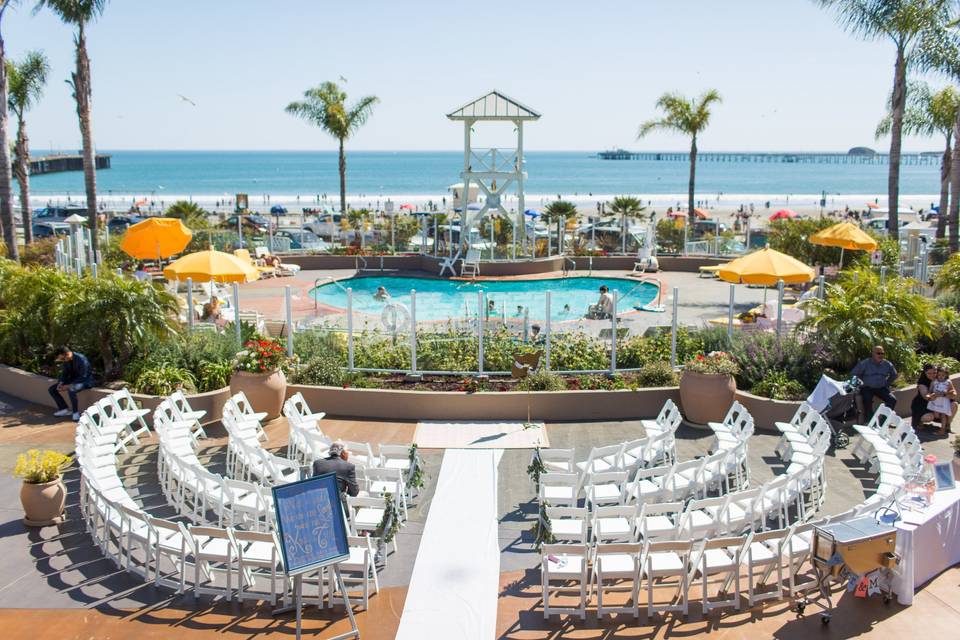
877	374
75	375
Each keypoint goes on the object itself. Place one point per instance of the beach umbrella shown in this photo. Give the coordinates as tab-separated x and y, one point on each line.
406	206
784	214
204	266
872	205
155	238
278	210
765	267
697	211
845	235
532	213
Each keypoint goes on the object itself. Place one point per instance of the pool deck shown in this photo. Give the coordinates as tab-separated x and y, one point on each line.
700	299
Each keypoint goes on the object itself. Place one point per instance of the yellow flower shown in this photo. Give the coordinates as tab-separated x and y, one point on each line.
36	467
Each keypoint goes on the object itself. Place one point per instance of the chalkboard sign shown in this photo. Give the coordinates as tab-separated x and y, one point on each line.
310	523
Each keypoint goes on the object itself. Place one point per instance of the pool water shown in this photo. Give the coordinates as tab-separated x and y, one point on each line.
443	299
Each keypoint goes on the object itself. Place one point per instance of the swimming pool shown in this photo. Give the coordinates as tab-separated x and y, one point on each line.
443	299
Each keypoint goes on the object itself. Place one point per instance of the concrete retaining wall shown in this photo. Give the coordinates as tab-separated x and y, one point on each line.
431	265
33	388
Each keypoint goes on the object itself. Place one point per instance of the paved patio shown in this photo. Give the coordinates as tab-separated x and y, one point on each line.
55	584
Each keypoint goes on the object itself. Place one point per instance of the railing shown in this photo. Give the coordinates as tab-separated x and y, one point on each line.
358	261
324	280
567	260
493	161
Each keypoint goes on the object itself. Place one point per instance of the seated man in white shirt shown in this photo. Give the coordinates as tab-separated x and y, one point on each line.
603	309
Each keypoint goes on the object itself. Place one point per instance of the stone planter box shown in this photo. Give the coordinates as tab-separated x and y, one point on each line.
33	388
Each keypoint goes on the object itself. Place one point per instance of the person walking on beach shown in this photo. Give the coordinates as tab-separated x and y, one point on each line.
877	374
75	376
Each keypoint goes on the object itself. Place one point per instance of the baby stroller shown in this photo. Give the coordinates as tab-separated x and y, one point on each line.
837	402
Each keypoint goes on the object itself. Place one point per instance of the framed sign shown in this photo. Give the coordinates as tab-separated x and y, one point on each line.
943	473
310	524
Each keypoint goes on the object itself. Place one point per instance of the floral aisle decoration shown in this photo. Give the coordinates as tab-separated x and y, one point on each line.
535	468
542	529
390	522
417	475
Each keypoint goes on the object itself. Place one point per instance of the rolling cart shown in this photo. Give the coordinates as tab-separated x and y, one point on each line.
848	552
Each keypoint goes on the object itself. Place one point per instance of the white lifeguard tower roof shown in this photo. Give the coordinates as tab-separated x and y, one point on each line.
494	106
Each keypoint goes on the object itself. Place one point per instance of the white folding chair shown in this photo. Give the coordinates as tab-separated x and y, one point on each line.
616	567
559	489
660	521
213	551
721	558
568	524
604	488
359	569
665	563
614	523
257	550
566	564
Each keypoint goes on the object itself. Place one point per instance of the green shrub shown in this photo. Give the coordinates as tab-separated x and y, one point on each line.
164	379
322	370
858	313
779	386
938	360
760	354
316	341
213	375
948	278
571	351
656	374
636	351
542	380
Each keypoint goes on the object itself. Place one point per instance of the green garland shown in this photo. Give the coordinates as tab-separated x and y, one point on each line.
417	476
536	468
542	529
390	522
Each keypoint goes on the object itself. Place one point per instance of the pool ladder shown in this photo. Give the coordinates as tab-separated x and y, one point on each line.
323	280
568	261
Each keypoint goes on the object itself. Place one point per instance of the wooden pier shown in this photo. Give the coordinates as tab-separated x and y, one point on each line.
784	158
58	163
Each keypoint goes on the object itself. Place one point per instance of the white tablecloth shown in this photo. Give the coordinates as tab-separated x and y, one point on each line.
928	542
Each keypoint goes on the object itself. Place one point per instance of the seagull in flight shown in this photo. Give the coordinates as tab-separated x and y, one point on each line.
343	80
186	99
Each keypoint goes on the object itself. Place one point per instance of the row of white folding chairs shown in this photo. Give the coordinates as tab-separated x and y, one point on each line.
800	441
793	497
883	426
118	413
737	426
651	565
668	419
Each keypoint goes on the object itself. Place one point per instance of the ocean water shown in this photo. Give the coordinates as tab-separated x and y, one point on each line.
371	174
444	299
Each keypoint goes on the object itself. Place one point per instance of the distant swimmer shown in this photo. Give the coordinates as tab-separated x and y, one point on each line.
381	294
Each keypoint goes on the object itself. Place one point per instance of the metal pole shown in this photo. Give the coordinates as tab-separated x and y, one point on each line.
613	336
730	312
526	324
93	269
289	301
821	287
480	310
236	312
350	328
436	236
190	304
673	329
547	334
413	331
779	306
883	275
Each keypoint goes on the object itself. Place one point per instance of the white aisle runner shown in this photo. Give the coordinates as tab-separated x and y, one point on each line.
456	576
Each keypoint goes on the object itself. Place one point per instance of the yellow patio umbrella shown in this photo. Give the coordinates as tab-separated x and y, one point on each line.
845	235
766	267
155	238
204	266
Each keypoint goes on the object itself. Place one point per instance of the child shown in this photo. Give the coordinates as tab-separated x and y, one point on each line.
941	404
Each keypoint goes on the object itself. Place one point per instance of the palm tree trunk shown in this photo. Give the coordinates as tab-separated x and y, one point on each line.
21	170
955	188
83	94
693	180
944	190
898	103
6	176
343	179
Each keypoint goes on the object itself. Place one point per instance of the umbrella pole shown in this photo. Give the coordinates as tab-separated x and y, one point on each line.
840	267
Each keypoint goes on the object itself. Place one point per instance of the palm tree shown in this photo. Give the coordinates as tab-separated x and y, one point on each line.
26	79
7	224
626	207
907	23
929	113
325	107
684	115
559	212
80	13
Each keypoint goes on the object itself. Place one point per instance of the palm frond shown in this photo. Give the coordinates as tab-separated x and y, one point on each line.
26	80
74	12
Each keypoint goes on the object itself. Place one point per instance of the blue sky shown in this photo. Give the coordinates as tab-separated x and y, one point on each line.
791	79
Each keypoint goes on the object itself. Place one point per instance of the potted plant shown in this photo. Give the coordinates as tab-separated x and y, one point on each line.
708	387
43	493
258	373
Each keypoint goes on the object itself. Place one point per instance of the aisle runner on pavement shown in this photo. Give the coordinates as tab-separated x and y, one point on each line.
488	434
456	577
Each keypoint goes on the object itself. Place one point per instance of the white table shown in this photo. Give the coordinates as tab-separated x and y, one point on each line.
928	542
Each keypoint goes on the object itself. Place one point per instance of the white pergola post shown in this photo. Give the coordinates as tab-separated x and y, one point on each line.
521	201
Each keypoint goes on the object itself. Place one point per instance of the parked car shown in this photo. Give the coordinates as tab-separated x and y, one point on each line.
50	229
120	223
255	223
302	240
58	214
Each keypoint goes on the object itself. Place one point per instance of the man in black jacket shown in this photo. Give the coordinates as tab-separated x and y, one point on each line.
337	462
75	376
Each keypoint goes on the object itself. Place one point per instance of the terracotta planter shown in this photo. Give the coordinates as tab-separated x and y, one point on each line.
706	397
43	503
265	391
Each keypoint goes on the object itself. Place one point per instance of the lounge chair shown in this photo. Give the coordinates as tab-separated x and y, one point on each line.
709	271
471	263
265	272
282	268
448	263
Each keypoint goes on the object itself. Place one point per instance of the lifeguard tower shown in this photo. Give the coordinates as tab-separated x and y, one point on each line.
494	171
